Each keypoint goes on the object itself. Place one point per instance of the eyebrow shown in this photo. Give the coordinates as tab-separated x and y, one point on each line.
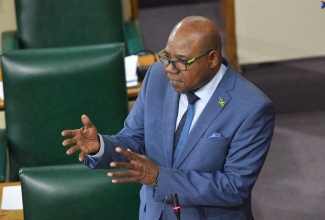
178	56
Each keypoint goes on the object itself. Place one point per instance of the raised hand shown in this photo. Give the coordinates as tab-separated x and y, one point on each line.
84	139
140	169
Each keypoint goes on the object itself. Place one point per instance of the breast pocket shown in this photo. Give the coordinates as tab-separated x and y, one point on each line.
214	141
211	153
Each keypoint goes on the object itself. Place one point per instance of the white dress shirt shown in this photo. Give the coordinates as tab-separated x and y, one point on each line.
204	93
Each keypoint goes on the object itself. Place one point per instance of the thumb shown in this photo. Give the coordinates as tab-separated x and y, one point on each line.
86	121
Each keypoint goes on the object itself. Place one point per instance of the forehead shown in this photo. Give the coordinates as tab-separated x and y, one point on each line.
180	44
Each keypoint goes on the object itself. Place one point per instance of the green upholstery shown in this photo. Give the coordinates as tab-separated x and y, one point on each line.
75	192
47	90
9	41
60	23
133	36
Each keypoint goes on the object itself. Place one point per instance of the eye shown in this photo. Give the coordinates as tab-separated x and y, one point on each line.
182	59
167	56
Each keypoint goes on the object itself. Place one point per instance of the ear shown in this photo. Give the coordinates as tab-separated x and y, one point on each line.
214	59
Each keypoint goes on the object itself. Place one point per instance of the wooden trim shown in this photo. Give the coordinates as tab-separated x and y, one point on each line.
227	12
135	9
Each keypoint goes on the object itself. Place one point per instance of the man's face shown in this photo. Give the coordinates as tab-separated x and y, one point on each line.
181	46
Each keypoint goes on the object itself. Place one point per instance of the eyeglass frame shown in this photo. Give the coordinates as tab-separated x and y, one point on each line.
186	63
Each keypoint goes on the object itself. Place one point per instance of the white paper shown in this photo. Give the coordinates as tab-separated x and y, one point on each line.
132	84
12	198
131	64
1	90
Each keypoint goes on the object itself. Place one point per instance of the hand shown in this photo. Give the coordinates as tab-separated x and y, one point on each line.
140	169
84	139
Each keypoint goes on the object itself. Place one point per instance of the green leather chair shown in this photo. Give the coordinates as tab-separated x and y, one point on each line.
47	90
75	192
60	23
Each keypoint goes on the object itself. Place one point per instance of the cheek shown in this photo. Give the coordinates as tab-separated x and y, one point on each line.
197	80
191	80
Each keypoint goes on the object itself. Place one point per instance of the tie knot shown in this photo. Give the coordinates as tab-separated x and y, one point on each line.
192	98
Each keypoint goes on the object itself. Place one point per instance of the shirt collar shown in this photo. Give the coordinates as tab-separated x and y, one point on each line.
205	92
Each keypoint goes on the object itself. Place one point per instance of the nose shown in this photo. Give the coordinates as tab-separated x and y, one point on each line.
171	69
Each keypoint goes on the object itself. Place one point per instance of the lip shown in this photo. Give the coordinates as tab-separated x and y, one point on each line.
175	82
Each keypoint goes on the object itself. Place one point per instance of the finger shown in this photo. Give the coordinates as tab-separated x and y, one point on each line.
78	147
86	121
128	154
125	173
82	156
123	177
68	142
72	149
125	180
121	165
69	133
136	154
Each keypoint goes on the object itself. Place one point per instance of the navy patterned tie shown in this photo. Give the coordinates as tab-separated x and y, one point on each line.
184	125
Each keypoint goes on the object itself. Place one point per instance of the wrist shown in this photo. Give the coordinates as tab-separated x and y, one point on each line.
97	148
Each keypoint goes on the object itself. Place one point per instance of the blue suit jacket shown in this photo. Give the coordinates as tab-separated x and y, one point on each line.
213	177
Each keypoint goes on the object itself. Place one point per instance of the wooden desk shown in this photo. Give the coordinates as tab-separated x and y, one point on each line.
12	214
134	91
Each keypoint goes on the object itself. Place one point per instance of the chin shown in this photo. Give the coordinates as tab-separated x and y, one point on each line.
179	90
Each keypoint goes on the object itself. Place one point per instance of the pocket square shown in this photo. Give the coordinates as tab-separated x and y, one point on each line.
215	135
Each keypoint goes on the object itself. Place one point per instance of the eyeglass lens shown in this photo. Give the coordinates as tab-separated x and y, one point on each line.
176	64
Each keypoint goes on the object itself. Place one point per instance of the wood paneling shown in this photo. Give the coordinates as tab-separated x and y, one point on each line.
227	12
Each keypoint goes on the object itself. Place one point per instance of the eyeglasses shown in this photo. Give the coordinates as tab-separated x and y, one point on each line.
180	65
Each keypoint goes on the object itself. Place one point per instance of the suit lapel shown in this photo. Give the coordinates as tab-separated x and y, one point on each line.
210	112
169	121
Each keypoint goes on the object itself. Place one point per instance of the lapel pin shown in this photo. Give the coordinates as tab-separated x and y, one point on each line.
221	102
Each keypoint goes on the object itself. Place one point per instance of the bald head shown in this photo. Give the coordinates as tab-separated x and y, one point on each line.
200	30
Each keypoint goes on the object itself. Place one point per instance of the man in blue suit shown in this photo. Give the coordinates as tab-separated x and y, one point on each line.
214	164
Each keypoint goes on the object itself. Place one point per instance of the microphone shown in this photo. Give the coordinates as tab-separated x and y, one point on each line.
176	206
